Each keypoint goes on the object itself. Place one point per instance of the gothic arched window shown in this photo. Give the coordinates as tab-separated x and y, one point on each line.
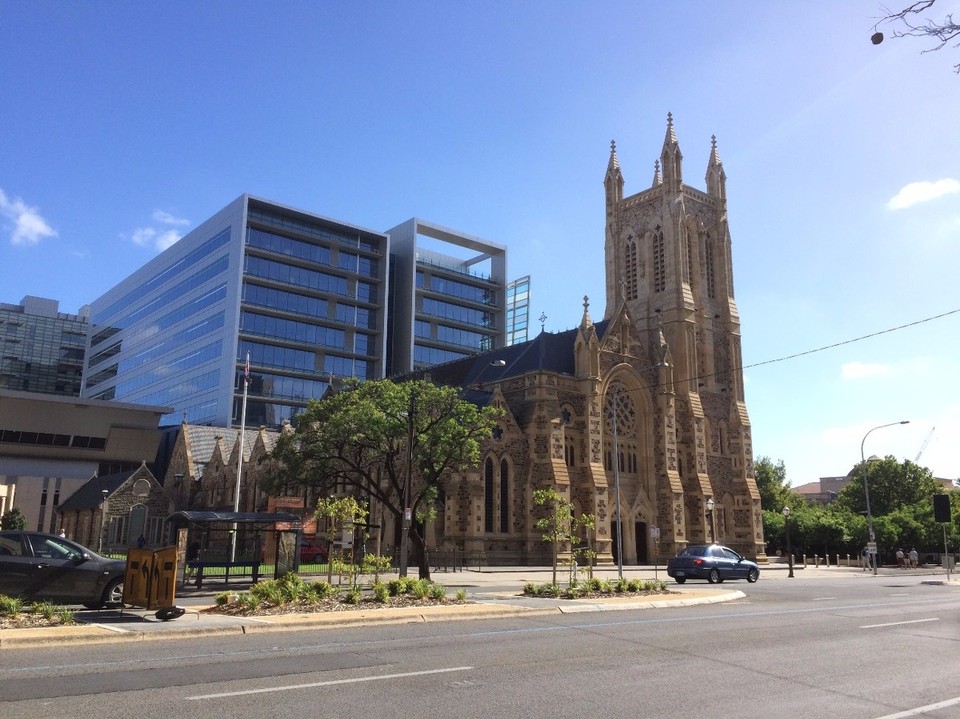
488	498
504	496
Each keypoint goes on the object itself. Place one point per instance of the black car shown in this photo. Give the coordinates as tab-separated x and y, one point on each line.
44	567
712	562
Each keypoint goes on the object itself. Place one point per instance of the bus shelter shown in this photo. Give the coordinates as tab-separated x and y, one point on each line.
215	544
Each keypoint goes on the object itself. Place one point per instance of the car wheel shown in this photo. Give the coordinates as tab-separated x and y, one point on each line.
681	580
753	575
113	594
714	576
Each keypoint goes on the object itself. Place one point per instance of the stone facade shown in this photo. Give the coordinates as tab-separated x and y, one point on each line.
657	384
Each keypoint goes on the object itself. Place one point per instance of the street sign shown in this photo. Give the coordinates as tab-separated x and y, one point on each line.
872	547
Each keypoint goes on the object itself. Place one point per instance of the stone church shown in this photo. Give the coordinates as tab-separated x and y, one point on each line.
644	408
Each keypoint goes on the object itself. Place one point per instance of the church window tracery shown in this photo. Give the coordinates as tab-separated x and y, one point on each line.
659	263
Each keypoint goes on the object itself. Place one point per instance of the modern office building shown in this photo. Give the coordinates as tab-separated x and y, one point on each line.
301	295
41	348
448	295
518	311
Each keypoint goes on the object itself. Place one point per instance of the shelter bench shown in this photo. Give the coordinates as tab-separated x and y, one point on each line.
238	569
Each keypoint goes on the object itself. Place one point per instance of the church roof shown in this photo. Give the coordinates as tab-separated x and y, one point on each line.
548	351
90	493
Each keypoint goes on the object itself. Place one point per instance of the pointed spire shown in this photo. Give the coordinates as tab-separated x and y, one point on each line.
586	322
716	177
613	180
657	180
671	158
671	136
614	163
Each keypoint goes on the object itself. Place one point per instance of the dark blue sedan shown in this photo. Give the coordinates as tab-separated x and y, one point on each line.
712	562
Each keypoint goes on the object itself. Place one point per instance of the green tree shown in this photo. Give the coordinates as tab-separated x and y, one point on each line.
360	438
557	525
772	483
891	484
338	513
13	519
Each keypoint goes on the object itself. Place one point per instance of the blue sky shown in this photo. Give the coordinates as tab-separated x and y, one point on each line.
123	125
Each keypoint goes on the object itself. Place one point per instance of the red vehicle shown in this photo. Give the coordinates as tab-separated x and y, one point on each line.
312	552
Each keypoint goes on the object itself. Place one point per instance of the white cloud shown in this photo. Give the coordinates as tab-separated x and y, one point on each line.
159	239
28	226
166	218
143	235
917	192
165	239
860	370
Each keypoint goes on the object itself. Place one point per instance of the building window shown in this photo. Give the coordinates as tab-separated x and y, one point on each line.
504	496
659	266
488	503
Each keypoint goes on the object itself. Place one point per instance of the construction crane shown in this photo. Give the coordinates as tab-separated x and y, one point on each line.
924	445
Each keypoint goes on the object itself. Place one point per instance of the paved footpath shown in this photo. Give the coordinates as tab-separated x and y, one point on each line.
491	592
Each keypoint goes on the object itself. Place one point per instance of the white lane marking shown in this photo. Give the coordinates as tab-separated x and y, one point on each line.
896	624
923	710
900	594
333	682
823	599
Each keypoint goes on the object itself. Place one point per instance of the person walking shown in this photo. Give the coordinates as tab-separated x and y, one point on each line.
865	559
914	558
901	559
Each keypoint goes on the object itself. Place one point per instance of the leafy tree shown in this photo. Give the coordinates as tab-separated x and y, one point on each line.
360	438
772	483
891	485
557	525
13	519
913	17
338	512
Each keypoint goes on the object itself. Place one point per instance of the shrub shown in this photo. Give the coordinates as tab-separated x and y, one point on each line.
381	592
635	585
438	592
461	596
621	586
399	586
354	595
10	606
65	615
550	590
223	598
595	584
530	589
249	601
420	588
47	610
317	591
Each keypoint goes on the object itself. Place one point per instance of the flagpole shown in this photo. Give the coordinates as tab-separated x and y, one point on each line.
243	428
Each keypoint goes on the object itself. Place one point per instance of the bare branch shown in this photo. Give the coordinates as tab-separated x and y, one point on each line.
911	17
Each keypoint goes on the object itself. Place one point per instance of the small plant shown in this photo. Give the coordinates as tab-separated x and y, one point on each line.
381	592
621	586
10	606
399	586
574	592
321	590
64	615
420	588
530	589
249	601
224	598
47	610
461	596
438	592
292	586
354	595
550	590
634	585
594	584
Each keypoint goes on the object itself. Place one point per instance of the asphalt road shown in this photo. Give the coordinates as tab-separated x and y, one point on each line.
845	648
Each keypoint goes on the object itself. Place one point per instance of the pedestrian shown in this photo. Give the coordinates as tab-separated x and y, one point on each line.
63	532
193	554
901	559
141	542
864	559
914	558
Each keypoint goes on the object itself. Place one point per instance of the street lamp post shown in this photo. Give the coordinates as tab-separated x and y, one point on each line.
786	521
407	483
872	553
103	520
710	506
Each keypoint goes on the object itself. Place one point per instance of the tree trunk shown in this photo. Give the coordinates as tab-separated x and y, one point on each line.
420	550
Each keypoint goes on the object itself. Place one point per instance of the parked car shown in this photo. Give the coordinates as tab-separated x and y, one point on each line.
44	567
312	552
712	562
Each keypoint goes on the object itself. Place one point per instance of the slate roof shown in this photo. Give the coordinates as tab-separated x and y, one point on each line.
551	352
90	494
203	441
